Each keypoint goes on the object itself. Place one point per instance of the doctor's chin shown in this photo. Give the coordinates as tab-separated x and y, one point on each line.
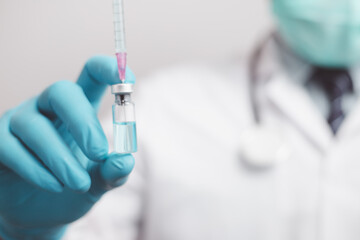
261	147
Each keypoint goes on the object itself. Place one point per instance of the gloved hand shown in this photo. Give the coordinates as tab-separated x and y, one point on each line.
54	162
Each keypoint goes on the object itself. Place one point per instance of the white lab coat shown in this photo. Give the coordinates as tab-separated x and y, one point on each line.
191	183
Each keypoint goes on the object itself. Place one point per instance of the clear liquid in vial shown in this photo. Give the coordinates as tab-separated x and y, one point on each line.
125	137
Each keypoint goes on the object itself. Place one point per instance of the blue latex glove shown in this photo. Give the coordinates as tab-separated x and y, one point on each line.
54	162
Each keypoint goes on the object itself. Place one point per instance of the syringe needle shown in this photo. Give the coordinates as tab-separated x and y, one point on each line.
121	60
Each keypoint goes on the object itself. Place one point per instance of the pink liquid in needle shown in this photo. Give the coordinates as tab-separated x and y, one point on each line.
121	60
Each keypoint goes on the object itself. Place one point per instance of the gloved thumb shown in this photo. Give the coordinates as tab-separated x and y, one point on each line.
111	173
98	73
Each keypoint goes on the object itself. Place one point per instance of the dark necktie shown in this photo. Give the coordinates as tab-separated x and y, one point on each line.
336	83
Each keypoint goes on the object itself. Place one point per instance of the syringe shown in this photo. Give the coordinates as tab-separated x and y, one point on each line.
124	108
119	26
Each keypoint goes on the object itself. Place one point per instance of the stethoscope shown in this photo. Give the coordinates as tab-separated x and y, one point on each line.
262	147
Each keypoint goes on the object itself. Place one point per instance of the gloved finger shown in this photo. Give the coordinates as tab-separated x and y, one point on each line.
97	74
18	159
111	173
39	134
68	102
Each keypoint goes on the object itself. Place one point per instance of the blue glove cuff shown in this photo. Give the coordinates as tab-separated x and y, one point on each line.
11	232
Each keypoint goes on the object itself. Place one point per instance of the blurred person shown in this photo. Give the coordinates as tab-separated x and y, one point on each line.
260	149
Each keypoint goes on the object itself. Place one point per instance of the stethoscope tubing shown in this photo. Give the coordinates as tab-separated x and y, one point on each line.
253	72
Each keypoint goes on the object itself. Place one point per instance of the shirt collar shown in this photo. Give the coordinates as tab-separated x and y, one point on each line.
297	69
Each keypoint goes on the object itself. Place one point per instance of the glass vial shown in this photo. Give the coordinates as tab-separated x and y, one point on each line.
125	140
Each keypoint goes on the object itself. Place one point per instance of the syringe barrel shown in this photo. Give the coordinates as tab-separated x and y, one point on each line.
119	26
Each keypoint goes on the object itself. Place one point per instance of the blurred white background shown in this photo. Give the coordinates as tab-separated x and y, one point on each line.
44	41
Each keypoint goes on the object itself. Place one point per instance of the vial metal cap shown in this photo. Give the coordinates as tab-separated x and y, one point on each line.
122	88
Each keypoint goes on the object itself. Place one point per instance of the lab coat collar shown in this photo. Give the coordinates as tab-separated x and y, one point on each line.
283	81
297	106
293	100
284	75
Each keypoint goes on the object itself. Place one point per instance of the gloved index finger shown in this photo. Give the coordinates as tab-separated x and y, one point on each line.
98	73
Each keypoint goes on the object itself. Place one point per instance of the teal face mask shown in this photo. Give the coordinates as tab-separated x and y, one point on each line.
323	32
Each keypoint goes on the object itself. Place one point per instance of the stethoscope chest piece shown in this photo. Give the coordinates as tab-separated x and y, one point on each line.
262	147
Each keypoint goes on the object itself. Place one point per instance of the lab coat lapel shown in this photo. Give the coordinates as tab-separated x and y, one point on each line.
295	103
351	124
